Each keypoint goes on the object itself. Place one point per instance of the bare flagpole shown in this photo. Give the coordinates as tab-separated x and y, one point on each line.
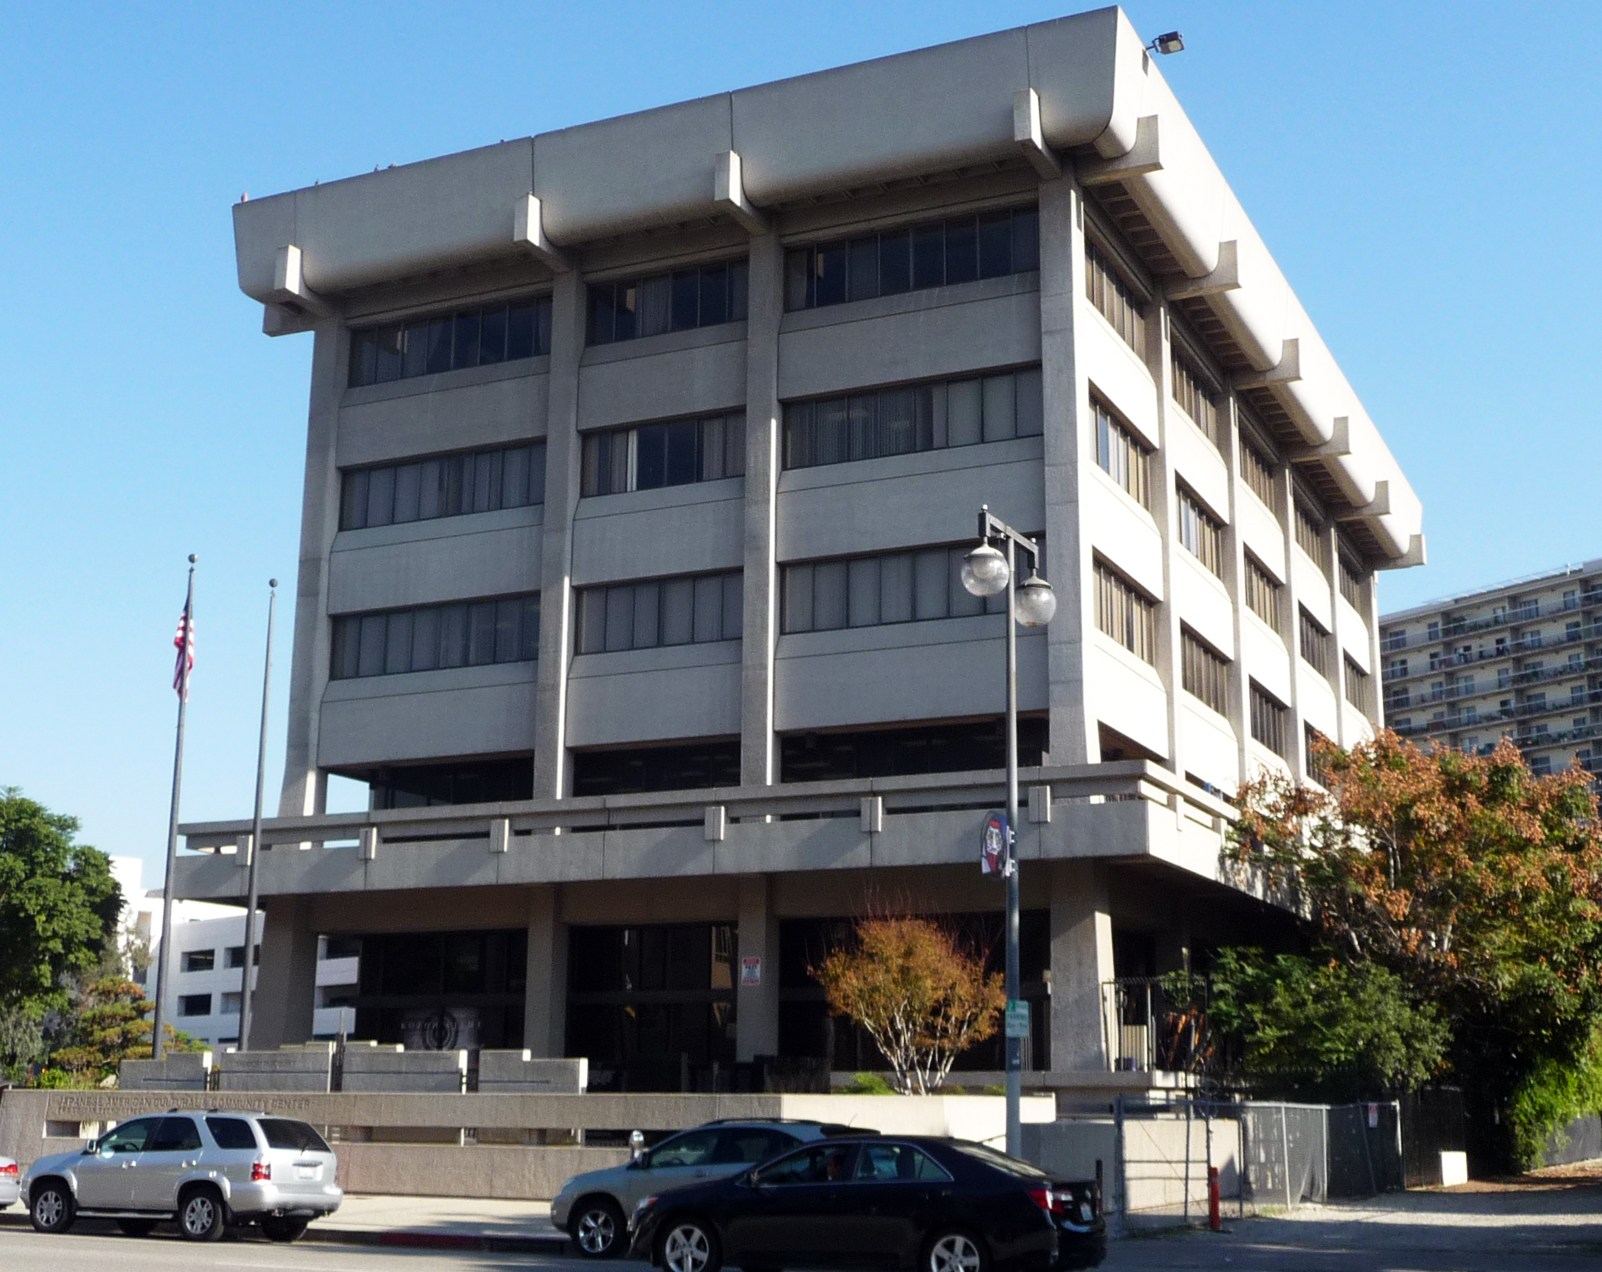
158	1045
247	989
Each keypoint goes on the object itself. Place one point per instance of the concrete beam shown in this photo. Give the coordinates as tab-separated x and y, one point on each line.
528	233
1415	555
1027	133
1225	277
1379	506
1144	157
1287	369
1339	445
728	192
289	289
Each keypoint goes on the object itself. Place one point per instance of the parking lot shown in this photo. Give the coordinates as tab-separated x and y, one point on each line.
1550	1222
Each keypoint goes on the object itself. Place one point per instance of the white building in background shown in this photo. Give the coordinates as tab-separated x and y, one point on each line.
208	963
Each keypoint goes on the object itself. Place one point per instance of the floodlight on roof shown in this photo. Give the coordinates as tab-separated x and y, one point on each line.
1169	42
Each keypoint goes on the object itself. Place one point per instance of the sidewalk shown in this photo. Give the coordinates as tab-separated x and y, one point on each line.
441	1223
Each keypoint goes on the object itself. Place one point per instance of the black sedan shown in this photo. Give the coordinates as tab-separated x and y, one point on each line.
934	1205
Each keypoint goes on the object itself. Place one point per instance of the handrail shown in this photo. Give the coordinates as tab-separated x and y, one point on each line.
1116	780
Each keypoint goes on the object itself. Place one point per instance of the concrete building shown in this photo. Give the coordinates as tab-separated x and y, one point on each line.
640	459
1522	659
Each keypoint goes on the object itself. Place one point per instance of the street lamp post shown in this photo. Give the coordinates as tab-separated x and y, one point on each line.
988	571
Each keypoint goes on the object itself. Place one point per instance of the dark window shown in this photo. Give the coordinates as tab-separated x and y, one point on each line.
236	956
1314	643
1268	719
694	609
1262	594
888	587
1115	297
1360	687
958	249
823	1163
1351	582
284	1132
918	417
656	768
1258	470
1201	532
692	1148
130	1137
459	782
751	1144
946	748
200	960
443	486
1194	397
703	296
1206	673
1125	614
175	1135
231	1132
502	332
1310	537
677	453
344	946
499	631
1121	454
194	1005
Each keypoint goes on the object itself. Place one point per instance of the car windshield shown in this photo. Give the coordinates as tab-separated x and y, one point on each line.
693	1148
995	1157
284	1132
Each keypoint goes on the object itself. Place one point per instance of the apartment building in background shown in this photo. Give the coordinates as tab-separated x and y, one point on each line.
641	459
1522	659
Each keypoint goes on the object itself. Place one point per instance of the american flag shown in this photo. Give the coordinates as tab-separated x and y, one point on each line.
185	662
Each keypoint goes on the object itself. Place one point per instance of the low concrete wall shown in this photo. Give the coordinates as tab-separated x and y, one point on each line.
390	1069
33	1123
306	1068
181	1071
521	1071
1155	1156
444	1170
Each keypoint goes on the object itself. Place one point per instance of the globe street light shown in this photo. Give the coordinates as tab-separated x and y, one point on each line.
988	572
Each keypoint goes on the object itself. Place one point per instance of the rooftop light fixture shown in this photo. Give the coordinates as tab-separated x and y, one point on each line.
1170	42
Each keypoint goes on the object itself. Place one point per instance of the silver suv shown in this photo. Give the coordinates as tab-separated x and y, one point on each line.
593	1207
206	1170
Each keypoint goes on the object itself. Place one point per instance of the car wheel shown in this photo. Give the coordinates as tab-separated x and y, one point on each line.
279	1228
51	1208
597	1228
200	1214
690	1245
136	1227
954	1251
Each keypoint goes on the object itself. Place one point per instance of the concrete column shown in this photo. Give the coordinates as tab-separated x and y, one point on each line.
1065	391
562	456
1337	660
286	985
545	995
1165	511
1081	959
1235	580
305	788
757	1006
758	763
1290	616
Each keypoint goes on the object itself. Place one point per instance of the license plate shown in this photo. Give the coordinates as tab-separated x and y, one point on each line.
305	1172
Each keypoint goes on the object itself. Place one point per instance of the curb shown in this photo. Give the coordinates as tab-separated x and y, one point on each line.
553	1244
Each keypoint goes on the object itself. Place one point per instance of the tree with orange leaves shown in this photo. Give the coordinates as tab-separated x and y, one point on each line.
918	990
1478	883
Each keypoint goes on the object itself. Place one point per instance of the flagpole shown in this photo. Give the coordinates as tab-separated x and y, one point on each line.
247	990
163	971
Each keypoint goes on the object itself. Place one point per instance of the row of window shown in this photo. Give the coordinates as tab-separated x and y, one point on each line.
468	634
679	611
1313	641
899	421
1201	532
503	332
1310	536
958	249
1114	297
206	960
700	296
887	587
1268	720
1126	614
677	453
1193	397
1258	471
1122	455
446	486
1203	671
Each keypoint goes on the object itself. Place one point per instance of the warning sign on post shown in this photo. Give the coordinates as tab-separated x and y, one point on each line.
751	971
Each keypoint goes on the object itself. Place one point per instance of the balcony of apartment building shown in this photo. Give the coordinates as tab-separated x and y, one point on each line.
1576	630
1588	596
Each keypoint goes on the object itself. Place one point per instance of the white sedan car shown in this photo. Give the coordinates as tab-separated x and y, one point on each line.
8	1182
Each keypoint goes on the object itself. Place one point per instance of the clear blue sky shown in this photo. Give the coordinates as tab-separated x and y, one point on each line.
1426	174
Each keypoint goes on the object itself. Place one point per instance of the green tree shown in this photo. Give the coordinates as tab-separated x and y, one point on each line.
1479	885
1316	1028
112	1025
58	910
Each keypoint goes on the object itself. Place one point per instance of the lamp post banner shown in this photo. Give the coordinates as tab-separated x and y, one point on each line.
993	842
